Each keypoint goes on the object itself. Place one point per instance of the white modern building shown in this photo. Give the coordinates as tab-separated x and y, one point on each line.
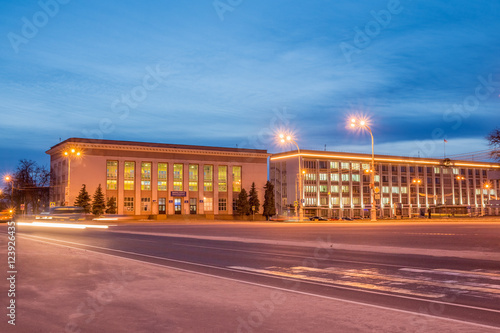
338	185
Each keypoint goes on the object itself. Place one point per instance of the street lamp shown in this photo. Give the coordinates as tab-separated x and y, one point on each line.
486	186
11	180
362	124
417	182
70	154
284	138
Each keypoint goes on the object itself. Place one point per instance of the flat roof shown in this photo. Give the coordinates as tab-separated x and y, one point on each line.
154	145
380	158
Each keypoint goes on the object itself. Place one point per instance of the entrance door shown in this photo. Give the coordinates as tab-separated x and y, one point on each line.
192	205
177	205
162	207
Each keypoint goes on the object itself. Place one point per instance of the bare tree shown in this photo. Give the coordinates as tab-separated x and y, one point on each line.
494	142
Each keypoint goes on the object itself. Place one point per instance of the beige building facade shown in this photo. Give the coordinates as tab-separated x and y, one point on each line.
338	185
153	179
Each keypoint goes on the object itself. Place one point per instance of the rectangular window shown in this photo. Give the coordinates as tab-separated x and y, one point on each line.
345	177
355	201
334	177
129	176
323	188
355	166
208	204
395	189
146	176
335	200
346	201
145	204
345	165
323	177
162	206
385	189
111	175
404	189
162	176
386	201
355	178
178	177
236	179
222	177
208	178
365	166
334	165
345	189
310	176
222	204
193	177
437	169
323	201
128	204
334	188
322	164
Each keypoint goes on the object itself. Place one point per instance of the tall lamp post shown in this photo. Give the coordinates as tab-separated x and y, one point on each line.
69	154
11	180
486	186
362	124
288	138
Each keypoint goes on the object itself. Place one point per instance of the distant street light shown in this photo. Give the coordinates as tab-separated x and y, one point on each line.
486	186
70	154
363	125
288	138
11	180
417	182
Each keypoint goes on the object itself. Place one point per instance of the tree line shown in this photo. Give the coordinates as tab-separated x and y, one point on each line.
247	204
97	205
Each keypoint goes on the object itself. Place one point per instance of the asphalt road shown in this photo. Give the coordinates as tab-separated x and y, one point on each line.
423	267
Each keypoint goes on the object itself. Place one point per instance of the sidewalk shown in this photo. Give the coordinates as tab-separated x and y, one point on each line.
62	289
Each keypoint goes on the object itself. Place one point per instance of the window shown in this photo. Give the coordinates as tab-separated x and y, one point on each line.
310	176
208	204
323	188
222	204
345	177
365	166
323	201
162	176
404	189
178	177
208	178
311	201
386	201
310	164
162	207
310	189
128	204
334	189
323	177
345	165
420	169
334	165
345	189
334	177
412	169
346	201
193	177
129	173
403	169
395	189
236	179
322	164
355	178
437	170
355	166
394	168
146	176
145	204
222	177
335	200
355	201
385	189
111	175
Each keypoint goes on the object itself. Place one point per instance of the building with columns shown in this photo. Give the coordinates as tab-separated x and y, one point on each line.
156	179
338	184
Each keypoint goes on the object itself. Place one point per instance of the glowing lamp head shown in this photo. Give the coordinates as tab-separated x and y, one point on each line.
353	120
282	140
362	123
288	138
78	154
282	136
73	150
65	153
7	178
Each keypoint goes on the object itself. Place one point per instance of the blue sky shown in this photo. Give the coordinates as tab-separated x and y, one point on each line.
227	73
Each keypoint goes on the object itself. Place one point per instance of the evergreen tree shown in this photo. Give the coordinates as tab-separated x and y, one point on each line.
243	208
98	205
269	203
111	206
253	199
83	199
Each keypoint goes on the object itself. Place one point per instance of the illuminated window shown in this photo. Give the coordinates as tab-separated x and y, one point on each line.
334	165
335	189
323	201
345	177
355	166
178	177
365	166
395	189
146	176
222	177
346	201
208	204
323	176
236	179
335	200
208	178
334	177
111	175
404	189
355	201
345	165
386	201
345	189
355	178
193	177
323	188
437	170
310	176
162	176
385	189
145	204
129	174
